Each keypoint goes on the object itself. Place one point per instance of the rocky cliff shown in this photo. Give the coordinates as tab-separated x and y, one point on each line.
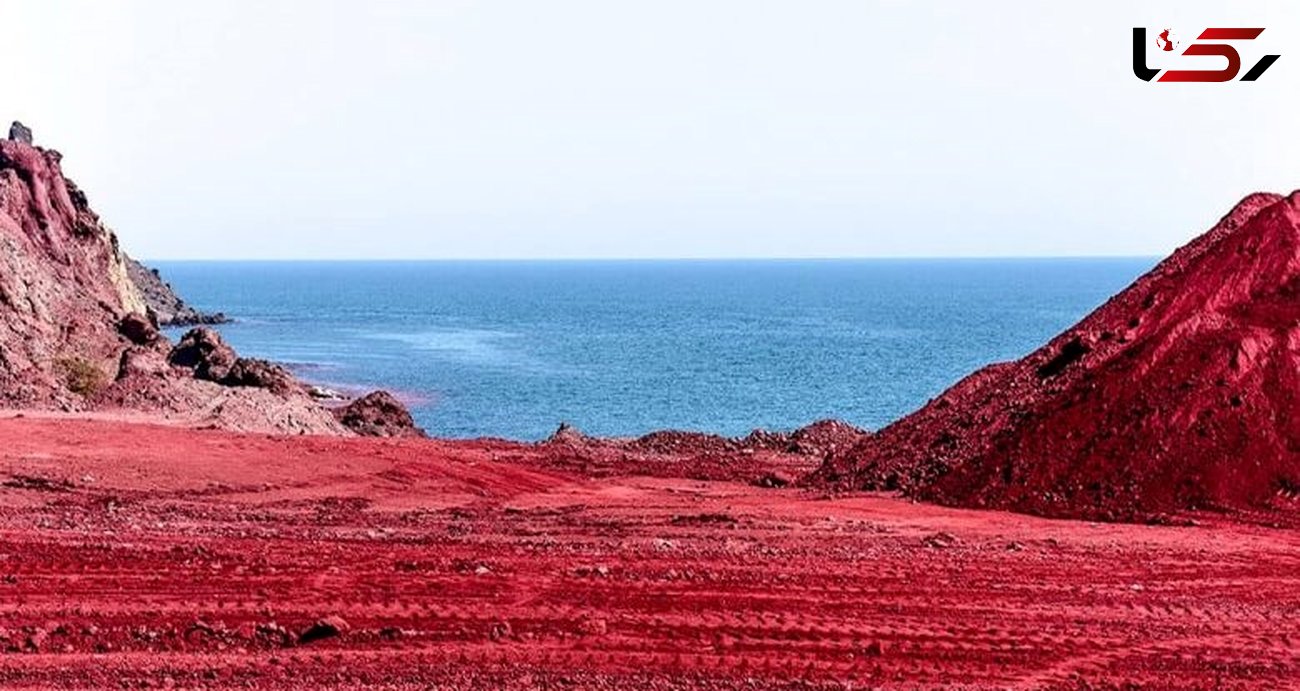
1181	392
167	308
63	283
77	333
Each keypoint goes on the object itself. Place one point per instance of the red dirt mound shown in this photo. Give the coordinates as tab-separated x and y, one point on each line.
769	459
1179	393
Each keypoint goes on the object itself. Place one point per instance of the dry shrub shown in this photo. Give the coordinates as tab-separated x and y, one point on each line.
81	376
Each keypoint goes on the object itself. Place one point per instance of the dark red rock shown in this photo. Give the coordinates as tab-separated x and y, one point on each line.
1179	393
138	329
261	374
19	132
378	414
206	353
825	437
328	627
567	434
774	480
142	360
209	357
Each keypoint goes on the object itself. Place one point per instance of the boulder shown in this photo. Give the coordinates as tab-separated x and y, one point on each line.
774	480
261	374
138	329
378	414
19	132
329	627
567	434
142	360
203	351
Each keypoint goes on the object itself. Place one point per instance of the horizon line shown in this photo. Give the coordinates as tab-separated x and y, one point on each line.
933	257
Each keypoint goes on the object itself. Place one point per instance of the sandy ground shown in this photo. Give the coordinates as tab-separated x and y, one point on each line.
137	556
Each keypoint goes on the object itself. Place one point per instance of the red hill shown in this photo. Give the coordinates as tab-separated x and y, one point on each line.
1181	392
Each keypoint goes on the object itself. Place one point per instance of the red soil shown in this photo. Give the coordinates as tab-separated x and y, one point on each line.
136	555
1179	393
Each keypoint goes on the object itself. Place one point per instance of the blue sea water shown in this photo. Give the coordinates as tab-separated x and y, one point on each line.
510	349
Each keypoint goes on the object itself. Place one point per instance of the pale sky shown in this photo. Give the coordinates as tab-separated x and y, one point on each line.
666	128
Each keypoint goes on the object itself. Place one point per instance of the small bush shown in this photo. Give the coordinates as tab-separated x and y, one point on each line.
82	376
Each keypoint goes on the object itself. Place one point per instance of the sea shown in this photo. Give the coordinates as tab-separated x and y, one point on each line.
620	348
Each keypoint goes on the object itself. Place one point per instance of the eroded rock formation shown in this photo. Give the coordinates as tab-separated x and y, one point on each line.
378	414
76	333
167	308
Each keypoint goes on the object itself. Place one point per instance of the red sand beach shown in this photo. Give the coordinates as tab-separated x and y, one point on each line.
201	558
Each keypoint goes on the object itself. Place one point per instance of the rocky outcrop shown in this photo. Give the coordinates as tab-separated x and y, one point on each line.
139	330
167	308
378	414
768	459
203	352
76	332
825	438
263	374
567	434
63	284
19	132
1179	393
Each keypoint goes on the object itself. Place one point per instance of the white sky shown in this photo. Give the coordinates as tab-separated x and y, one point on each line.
664	128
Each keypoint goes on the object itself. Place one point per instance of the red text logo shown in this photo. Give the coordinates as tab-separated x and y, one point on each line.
1167	42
